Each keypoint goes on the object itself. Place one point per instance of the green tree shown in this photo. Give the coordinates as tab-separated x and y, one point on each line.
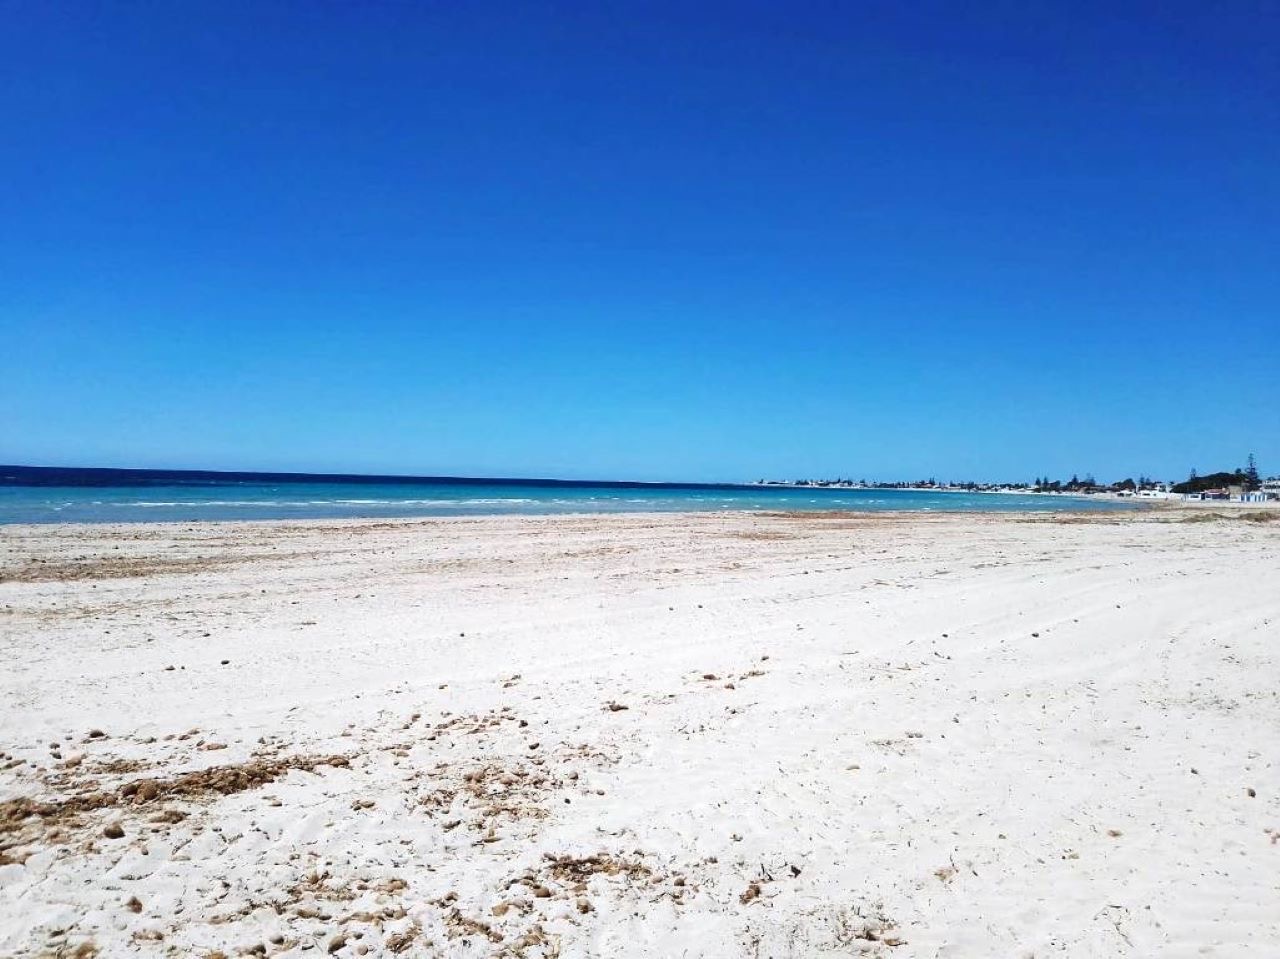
1251	480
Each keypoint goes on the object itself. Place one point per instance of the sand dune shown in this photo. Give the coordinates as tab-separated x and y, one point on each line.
697	735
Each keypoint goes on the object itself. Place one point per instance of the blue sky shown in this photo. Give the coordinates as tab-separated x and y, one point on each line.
651	241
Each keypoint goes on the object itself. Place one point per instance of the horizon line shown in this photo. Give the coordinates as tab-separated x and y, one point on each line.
144	472
49	475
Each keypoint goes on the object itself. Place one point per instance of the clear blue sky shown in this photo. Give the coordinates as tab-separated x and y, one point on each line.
641	240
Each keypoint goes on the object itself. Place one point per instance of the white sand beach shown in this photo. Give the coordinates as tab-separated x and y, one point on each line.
651	735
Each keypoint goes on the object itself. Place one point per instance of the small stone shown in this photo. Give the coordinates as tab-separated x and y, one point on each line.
113	831
337	942
134	904
1251	792
584	904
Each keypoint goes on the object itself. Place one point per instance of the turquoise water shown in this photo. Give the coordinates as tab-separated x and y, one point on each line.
294	500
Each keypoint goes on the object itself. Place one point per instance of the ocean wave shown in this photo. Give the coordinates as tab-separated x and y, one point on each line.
285	502
152	504
249	503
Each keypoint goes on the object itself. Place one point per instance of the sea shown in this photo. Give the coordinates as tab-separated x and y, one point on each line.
64	495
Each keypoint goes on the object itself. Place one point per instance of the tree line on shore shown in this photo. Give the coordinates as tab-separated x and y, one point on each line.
1246	477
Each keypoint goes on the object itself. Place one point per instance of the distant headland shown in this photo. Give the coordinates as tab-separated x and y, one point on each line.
1223	484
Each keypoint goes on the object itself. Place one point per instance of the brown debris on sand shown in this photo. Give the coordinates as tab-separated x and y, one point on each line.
15	814
577	869
399	942
40	570
225	780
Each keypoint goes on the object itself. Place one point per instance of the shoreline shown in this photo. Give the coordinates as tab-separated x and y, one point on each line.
1139	512
1132	509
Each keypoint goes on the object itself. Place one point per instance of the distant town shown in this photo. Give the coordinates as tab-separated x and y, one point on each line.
1243	484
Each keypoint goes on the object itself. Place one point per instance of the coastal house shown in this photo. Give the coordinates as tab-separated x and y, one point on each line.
1208	494
1239	494
1234	494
